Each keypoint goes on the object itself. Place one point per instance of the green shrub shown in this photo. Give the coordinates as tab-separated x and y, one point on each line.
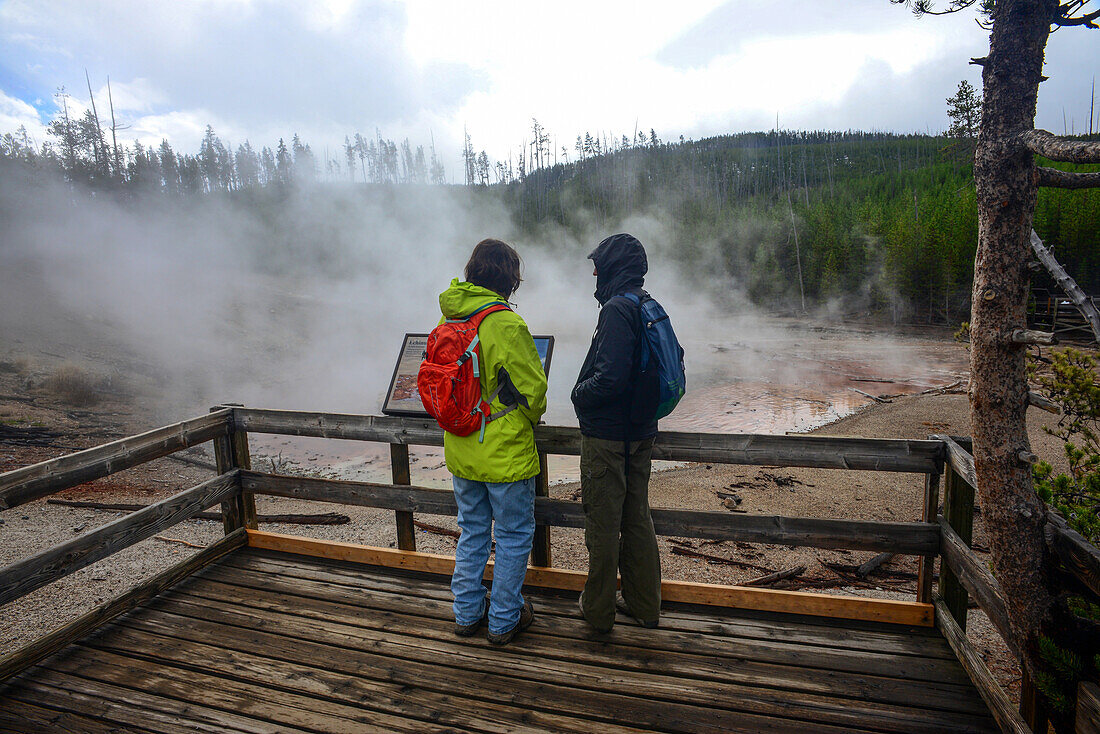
1074	385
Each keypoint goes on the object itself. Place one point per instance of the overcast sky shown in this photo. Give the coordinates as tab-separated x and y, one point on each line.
422	69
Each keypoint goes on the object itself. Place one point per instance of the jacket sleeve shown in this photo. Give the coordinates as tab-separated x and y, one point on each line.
614	359
525	369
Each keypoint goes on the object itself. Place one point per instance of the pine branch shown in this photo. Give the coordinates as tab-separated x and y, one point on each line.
1045	176
926	7
1088	20
1057	148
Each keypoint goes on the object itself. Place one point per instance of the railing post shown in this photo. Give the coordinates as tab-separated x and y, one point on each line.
402	475
540	550
928	563
231	452
1031	704
958	511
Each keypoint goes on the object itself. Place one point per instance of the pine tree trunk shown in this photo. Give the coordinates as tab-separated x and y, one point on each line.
1004	176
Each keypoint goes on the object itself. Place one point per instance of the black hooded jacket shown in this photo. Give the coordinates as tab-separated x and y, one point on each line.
604	391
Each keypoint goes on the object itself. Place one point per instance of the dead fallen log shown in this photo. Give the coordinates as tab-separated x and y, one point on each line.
193	462
864	570
876	398
771	578
838	582
852	572
428	527
942	389
15	435
327	518
188	543
681	550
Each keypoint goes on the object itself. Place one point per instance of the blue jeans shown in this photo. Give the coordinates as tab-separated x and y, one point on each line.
512	505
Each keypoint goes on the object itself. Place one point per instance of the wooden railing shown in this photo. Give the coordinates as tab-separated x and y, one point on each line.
945	461
964	575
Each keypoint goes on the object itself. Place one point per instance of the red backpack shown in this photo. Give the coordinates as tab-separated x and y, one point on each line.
449	380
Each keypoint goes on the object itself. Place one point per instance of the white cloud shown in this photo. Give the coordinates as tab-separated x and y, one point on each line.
264	69
137	95
15	113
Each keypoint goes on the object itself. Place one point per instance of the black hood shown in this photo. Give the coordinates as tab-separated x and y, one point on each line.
621	266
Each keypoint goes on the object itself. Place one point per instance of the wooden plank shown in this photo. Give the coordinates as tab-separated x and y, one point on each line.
431	640
1008	719
38	480
1088	708
402	476
432	617
1080	557
284	707
928	563
592	669
913	538
958	512
795	602
977	580
737	624
29	654
540	546
403	706
19	717
873	454
130	707
23	577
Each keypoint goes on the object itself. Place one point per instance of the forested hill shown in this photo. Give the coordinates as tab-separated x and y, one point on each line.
856	222
874	221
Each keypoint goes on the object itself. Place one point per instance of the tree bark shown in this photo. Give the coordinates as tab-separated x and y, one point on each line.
1005	178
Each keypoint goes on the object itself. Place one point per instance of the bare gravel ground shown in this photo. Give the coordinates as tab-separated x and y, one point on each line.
36	526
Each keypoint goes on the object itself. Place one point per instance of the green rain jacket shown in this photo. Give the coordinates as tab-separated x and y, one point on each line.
508	452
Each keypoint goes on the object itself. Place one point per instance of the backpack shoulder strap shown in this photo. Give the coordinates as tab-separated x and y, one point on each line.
477	315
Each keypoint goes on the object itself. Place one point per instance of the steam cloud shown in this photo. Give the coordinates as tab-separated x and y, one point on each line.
299	300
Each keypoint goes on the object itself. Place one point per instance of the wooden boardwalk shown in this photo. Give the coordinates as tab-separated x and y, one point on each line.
263	641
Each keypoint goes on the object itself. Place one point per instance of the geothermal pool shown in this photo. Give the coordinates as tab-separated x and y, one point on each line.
777	375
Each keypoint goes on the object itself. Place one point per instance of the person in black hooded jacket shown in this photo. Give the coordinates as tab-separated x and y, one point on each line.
616	448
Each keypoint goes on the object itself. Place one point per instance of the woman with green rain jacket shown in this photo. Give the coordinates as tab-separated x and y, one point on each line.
494	474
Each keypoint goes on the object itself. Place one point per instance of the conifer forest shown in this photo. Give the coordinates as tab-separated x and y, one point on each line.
858	223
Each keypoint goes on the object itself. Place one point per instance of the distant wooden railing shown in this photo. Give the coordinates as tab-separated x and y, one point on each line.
944	460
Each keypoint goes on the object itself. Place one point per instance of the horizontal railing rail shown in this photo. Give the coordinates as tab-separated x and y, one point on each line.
911	538
978	580
29	483
23	577
1004	713
828	452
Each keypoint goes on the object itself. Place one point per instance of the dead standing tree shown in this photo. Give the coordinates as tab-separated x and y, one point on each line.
1007	180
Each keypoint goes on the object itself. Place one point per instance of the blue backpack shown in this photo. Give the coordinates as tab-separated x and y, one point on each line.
664	353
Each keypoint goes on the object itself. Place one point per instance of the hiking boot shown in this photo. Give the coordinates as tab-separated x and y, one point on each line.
467	630
526	618
580	605
621	605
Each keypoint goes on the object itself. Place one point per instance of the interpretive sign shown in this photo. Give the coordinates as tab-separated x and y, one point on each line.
403	398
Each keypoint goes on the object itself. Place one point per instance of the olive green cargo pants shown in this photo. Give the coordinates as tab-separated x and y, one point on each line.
618	530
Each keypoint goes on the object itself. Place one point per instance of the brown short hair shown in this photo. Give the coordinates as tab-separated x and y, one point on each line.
494	265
